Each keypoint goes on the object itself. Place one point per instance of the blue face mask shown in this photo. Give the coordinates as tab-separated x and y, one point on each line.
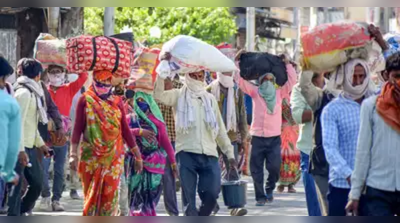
268	92
143	106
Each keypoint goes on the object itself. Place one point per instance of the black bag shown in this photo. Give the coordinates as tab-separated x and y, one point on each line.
253	65
124	36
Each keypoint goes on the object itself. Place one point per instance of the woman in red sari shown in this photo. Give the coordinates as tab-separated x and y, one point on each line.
100	117
290	168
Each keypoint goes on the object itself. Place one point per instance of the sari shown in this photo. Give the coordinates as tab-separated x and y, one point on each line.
102	154
290	168
145	187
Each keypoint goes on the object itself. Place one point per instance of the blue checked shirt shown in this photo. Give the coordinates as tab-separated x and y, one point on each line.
340	127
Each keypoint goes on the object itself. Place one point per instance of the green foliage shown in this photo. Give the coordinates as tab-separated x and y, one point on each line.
211	24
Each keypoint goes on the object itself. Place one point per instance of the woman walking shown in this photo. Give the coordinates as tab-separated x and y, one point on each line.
290	168
147	124
100	117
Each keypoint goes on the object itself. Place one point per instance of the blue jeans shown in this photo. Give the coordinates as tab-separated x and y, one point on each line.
2	192
60	155
201	172
309	186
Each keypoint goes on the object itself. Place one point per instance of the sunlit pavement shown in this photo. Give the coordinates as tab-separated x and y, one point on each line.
284	205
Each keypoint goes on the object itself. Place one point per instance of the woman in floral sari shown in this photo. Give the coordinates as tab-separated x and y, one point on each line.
290	167
145	187
100	117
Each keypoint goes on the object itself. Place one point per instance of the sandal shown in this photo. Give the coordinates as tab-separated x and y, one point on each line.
280	189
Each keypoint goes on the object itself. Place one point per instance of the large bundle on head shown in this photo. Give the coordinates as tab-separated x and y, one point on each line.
192	55
50	51
87	53
141	78
329	45
254	65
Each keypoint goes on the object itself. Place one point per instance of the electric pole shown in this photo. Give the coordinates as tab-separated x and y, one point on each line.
250	28
109	21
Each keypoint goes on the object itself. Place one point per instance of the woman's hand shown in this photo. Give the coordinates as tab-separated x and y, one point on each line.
73	163
138	165
175	170
149	135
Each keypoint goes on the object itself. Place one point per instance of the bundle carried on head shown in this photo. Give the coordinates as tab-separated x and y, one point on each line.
189	55
329	45
253	65
50	50
87	53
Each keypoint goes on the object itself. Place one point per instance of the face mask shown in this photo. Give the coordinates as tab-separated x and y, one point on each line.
57	80
143	106
268	92
129	94
102	89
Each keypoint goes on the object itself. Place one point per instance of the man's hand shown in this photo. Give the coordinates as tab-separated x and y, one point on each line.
352	207
15	181
45	150
166	56
349	180
238	54
233	164
23	158
376	33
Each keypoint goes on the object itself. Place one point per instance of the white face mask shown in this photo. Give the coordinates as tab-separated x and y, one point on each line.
226	81
57	80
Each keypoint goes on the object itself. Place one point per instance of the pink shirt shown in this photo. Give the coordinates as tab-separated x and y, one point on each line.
264	124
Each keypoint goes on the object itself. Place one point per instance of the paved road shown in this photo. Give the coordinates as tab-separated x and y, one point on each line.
284	205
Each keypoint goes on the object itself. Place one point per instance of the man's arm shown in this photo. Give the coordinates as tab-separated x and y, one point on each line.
292	80
13	132
247	87
312	94
23	97
169	98
330	134
363	155
300	112
76	86
243	127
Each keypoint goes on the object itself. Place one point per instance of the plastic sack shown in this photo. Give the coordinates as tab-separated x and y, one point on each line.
192	55
329	45
50	51
87	53
254	64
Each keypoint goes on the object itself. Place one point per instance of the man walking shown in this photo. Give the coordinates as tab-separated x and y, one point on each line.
378	151
199	129
340	128
266	130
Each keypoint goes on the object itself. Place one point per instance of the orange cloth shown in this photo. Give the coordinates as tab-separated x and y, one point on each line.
102	75
388	104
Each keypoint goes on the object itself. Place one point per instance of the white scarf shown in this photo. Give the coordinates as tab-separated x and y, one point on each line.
343	78
227	82
185	112
39	93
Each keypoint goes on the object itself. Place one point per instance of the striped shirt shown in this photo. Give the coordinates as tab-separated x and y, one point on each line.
340	127
378	153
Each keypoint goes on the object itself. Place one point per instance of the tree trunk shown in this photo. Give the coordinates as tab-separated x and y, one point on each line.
72	22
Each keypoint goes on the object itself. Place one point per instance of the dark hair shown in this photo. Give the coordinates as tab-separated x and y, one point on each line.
393	62
31	68
5	67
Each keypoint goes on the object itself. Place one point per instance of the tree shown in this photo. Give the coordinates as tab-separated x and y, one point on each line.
211	24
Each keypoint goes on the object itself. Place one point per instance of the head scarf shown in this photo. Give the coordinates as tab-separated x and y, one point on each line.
343	78
185	111
102	75
388	104
154	109
267	91
228	83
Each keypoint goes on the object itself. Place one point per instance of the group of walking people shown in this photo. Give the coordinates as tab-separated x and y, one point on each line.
130	141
